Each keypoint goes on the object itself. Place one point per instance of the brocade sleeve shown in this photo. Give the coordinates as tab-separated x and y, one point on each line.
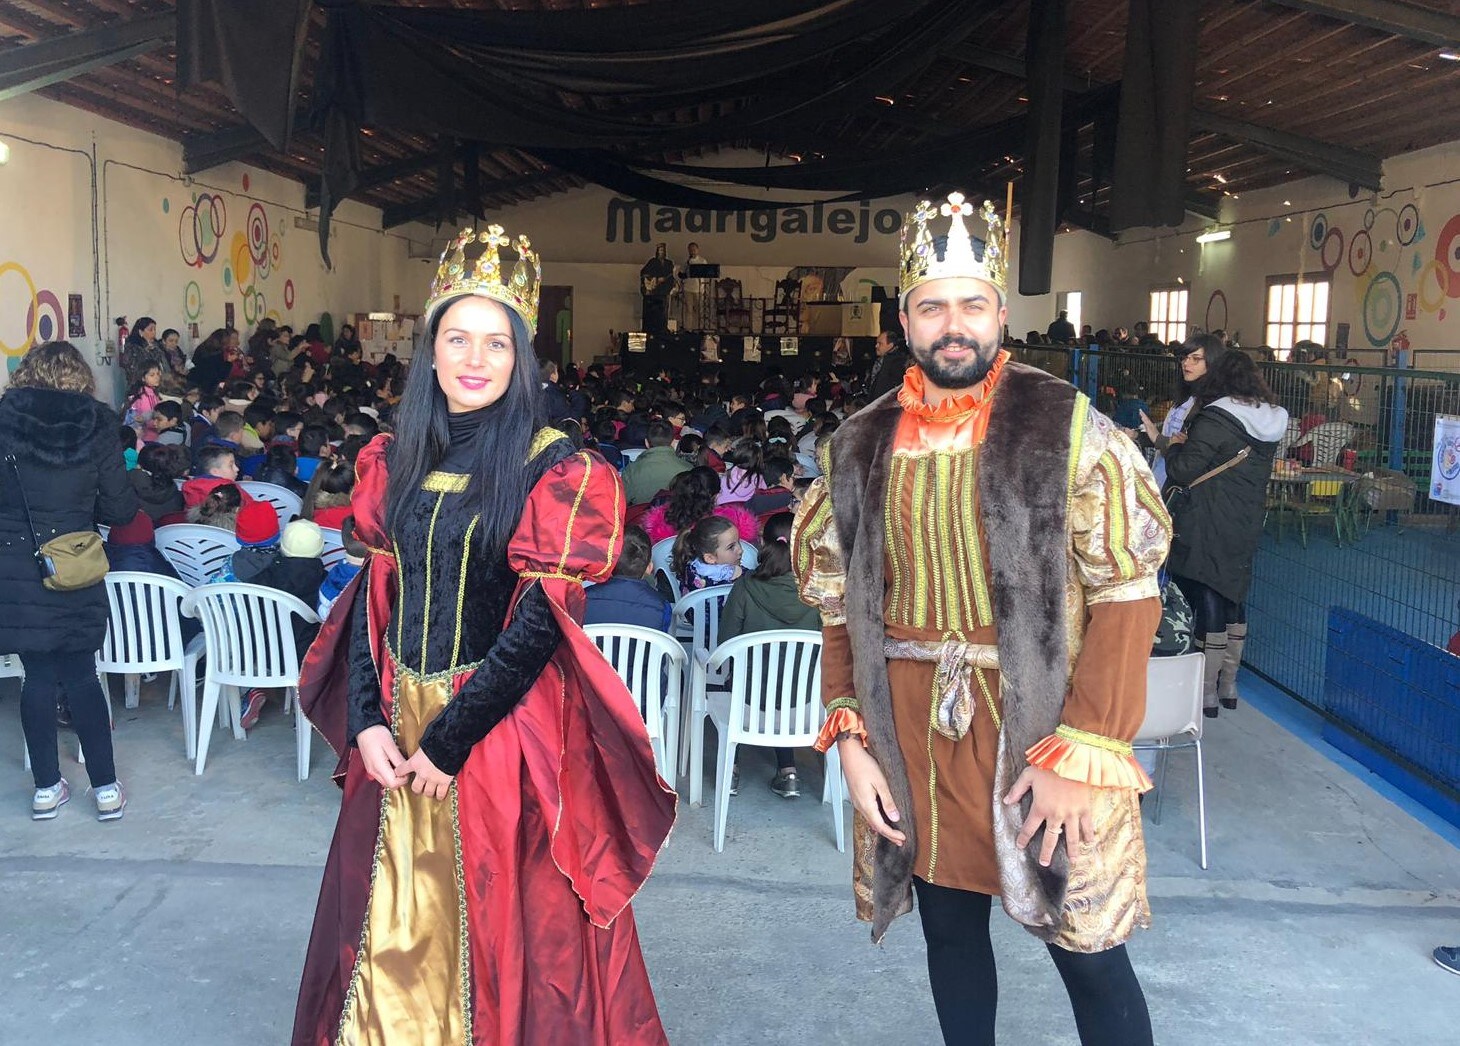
1120	533
821	582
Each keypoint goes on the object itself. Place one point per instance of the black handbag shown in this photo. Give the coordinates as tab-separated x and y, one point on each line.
68	562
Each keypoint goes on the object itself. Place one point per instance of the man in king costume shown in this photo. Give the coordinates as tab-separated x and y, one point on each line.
983	548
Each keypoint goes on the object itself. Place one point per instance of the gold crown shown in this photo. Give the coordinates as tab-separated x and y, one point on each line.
956	253
486	275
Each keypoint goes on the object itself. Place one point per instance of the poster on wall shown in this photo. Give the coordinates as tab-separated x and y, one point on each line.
1445	468
75	317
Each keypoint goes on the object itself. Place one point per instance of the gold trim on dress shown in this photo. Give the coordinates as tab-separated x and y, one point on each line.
544	438
446	482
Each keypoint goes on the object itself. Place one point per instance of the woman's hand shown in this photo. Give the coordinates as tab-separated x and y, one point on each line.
1177	439
1149	427
380	756
429	780
1061	805
869	792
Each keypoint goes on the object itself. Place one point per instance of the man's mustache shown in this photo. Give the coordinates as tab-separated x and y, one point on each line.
949	341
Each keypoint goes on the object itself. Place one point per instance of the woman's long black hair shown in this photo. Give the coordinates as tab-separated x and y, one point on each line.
500	476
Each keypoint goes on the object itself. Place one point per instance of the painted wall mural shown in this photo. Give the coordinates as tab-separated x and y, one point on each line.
242	257
1397	269
31	314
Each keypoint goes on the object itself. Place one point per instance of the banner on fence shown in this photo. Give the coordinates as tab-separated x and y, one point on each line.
1445	469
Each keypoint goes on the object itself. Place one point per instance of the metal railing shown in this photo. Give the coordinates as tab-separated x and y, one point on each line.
1401	563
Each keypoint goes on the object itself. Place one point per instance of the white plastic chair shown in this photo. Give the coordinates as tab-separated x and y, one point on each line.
659	556
1174	720
197	552
651	664
334	548
144	634
696	623
249	638
284	501
632	453
774	700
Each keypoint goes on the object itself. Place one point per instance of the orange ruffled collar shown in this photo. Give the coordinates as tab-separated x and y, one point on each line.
952	408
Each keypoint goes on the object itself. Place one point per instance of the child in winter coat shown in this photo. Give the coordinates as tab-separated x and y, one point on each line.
766	600
629	597
343	572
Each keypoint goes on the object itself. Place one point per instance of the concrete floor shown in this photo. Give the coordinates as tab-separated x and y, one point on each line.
186	922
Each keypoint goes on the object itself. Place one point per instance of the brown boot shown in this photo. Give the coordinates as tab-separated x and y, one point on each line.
1214	649
1227	680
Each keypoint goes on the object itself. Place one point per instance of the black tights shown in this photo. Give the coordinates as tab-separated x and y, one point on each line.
75	674
1110	1009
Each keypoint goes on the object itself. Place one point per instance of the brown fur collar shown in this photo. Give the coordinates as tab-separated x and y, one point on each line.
1023	493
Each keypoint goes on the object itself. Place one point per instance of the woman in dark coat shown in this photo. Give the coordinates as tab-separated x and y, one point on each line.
1218	523
69	463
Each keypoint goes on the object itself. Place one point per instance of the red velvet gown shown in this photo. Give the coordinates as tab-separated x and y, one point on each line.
500	915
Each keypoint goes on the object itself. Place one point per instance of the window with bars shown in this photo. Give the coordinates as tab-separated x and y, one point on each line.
1168	313
1297	310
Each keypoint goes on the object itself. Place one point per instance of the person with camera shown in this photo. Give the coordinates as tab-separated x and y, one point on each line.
62	474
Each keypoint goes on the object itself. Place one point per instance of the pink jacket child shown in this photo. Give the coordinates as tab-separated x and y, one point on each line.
658	527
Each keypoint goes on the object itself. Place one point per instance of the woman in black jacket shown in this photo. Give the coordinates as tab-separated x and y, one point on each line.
68	463
1236	428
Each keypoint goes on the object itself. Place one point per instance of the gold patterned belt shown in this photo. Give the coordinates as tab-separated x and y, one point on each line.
958	664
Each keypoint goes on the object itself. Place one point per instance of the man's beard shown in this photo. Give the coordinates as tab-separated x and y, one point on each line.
956	374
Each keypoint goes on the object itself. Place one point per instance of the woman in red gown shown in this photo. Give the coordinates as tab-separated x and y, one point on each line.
501	806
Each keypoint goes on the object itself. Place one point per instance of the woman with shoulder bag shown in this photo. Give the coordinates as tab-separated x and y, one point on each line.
1217	473
62	474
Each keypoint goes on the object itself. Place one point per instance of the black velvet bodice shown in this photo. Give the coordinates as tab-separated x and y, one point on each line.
451	613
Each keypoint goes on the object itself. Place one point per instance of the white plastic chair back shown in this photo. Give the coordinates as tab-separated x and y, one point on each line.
334	548
144	623
775	686
697	620
652	665
631	454
284	501
197	552
249	639
249	634
659	556
1173	698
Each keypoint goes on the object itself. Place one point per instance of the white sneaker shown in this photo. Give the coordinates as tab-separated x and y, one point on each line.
48	801
111	801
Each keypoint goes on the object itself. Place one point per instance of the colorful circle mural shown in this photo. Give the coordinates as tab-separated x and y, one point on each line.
1383	308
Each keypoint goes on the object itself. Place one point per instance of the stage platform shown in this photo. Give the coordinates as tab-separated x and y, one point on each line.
735	355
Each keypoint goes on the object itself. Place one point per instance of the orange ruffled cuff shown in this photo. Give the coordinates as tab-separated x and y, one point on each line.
841	720
1091	759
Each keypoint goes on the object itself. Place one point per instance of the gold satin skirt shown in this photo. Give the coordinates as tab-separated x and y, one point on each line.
411	985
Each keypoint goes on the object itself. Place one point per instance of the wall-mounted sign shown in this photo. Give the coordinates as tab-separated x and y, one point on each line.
635	221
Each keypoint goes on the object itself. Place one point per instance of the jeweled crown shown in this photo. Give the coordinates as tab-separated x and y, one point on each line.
486	273
957	252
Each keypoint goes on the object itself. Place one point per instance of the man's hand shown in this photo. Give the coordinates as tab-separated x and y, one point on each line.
1061	805
429	780
868	787
380	756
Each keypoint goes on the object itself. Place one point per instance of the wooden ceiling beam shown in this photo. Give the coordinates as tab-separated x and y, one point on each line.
1337	161
45	62
1395	17
418	210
